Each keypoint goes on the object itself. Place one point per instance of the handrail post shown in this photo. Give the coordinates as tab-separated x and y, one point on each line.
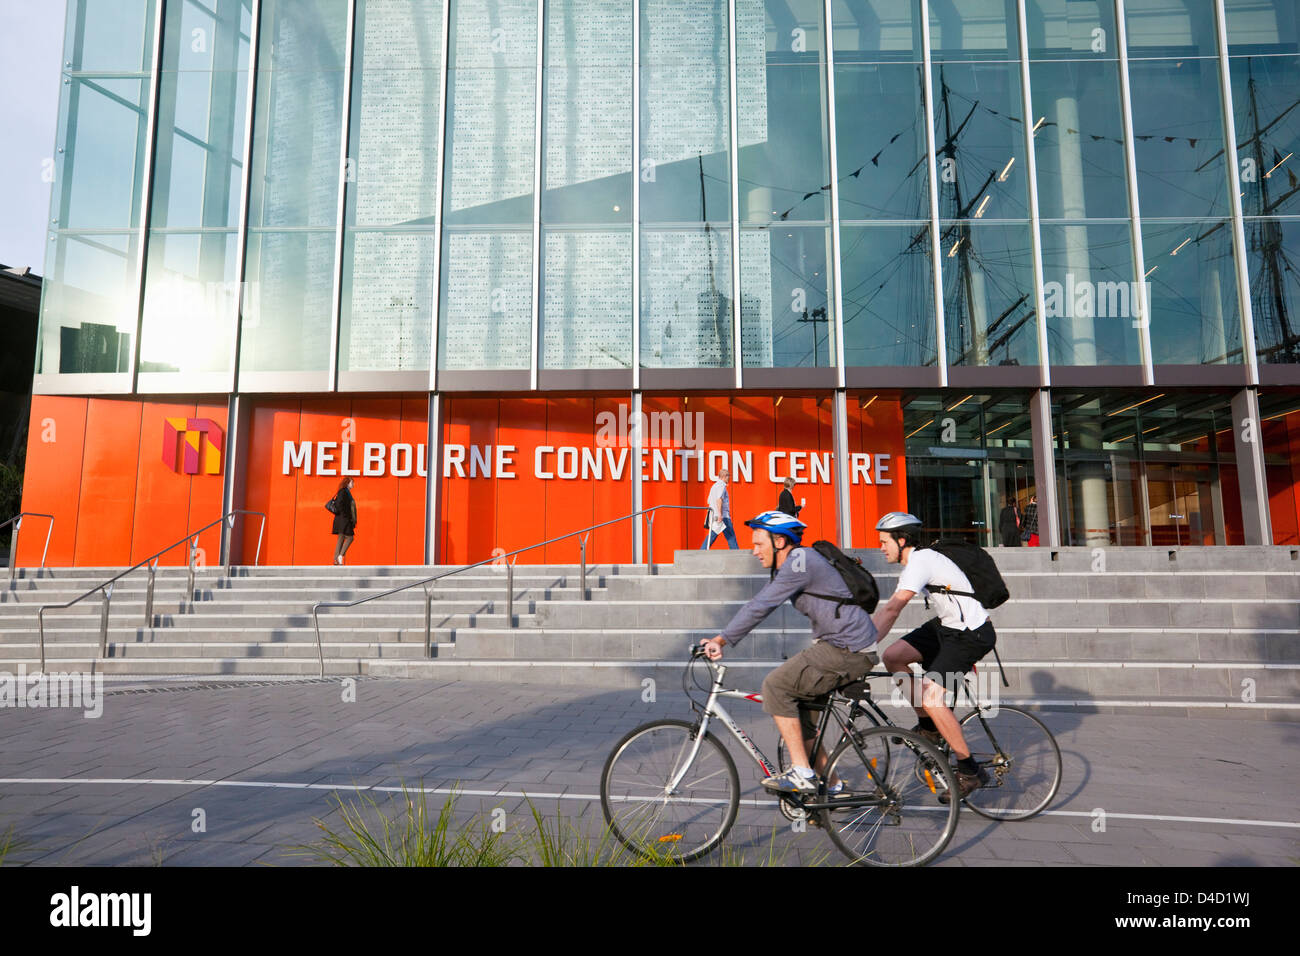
40	623
510	595
582	553
650	536
320	652
103	622
189	590
257	555
428	620
230	552
148	595
13	550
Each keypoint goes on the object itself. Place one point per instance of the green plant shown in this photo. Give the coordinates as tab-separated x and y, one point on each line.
412	837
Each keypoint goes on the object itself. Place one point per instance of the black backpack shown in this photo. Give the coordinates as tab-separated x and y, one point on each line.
986	582
861	585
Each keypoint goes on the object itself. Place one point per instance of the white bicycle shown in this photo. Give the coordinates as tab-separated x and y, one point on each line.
670	789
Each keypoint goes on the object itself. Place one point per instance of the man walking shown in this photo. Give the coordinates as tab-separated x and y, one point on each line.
719	519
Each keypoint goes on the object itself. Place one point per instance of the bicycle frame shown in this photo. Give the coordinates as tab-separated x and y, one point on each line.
713	709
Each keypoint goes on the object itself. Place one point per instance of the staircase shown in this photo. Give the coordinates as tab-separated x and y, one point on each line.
1210	631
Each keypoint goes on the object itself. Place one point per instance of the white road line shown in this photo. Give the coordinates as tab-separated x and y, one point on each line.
541	795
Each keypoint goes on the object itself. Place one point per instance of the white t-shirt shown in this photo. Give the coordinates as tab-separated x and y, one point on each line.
926	567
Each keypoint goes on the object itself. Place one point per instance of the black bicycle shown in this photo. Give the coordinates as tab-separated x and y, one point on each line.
670	790
1015	747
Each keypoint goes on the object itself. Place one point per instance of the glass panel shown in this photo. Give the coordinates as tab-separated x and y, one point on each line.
587	299
880	141
1273	256
988	294
387	299
486	302
1070	28
783	175
979	141
1098	472
785	312
387	302
1178	128
1170	28
288	294
685	112
686	319
486	298
1262	26
491	102
1079	142
1089	294
888	295
1193	285
190	296
90	306
1267	113
587	180
967	456
871	31
973	30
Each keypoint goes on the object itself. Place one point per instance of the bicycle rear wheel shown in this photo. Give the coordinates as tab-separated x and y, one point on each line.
680	824
891	815
1022	760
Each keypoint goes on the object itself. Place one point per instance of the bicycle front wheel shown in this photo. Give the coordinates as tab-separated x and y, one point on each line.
1022	760
668	794
889	813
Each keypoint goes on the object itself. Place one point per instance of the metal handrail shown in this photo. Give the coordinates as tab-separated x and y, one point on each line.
152	561
496	559
17	522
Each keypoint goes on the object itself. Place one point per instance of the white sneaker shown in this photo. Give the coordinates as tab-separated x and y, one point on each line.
791	782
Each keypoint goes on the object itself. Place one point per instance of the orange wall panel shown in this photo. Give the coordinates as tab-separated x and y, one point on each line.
411	504
323	420
206	491
52	479
570	423
612	498
377	421
105	514
268	490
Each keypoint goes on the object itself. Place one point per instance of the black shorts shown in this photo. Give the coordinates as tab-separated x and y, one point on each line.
949	651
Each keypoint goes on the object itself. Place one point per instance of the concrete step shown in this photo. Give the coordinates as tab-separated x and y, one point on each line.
79	650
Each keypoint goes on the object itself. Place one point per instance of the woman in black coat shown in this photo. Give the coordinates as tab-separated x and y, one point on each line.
786	503
1009	524
345	519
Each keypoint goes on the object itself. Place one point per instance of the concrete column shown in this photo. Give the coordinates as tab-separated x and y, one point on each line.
238	420
840	430
1248	445
1049	518
433	479
1078	262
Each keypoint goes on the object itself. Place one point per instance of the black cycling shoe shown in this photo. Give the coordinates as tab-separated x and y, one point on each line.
967	783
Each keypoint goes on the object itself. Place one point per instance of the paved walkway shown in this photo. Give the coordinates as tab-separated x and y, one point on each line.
263	761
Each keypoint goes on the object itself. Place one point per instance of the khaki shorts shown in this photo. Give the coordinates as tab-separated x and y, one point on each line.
809	677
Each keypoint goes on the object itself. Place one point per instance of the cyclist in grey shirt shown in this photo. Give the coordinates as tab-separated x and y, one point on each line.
843	649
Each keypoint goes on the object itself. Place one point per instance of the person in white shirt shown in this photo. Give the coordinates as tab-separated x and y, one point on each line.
719	519
947	645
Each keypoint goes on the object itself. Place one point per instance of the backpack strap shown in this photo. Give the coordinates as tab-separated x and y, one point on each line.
839	601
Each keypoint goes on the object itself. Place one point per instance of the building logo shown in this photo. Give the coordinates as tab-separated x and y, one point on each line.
201	457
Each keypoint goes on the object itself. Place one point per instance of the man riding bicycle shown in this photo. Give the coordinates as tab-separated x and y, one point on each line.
949	644
843	648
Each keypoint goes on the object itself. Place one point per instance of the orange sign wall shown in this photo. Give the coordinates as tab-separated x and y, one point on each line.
97	465
685	442
513	472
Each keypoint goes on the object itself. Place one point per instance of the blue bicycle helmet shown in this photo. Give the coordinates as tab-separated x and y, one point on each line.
778	522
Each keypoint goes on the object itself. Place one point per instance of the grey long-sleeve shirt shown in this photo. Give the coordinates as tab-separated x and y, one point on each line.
806	570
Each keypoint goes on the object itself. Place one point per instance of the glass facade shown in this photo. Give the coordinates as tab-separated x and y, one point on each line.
303	196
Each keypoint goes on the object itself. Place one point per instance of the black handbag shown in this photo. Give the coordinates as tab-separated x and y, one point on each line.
332	505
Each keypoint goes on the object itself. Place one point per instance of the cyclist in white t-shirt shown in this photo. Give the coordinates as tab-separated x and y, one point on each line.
947	645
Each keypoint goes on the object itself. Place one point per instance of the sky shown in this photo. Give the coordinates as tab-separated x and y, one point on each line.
31	42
